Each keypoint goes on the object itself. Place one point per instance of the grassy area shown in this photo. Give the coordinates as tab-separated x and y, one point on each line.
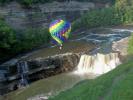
115	85
130	47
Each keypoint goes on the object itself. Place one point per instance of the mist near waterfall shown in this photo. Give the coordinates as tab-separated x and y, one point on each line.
97	63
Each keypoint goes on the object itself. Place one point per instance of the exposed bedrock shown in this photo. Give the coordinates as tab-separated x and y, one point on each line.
40	68
121	46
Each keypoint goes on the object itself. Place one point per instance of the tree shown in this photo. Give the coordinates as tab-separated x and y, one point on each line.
7	36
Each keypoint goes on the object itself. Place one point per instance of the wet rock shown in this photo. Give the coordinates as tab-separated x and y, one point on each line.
121	46
62	62
40	68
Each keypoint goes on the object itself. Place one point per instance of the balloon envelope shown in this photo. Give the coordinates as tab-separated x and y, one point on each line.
60	30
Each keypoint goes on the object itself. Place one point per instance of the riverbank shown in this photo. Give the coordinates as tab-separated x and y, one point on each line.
70	46
48	87
115	85
53	85
73	47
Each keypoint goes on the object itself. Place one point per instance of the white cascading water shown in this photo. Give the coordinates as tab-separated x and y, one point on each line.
98	63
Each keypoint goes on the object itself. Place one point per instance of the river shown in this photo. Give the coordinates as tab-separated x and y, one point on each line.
55	84
97	43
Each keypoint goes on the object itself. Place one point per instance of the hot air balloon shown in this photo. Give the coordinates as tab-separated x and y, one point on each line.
60	31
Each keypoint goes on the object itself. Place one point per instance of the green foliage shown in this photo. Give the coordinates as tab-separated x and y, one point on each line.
120	13
99	1
130	47
12	43
32	38
97	18
7	36
29	3
5	1
7	40
125	10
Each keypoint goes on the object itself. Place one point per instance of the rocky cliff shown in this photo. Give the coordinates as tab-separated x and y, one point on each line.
41	15
121	46
41	68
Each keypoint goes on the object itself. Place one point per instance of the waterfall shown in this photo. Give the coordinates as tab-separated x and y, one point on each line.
23	70
98	63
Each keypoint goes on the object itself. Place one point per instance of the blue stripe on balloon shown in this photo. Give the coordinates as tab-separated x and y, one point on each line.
62	38
60	30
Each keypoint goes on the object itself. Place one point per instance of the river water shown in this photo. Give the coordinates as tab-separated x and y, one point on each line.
58	83
104	40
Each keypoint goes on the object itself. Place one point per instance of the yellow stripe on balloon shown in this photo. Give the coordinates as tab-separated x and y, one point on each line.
54	27
59	41
66	34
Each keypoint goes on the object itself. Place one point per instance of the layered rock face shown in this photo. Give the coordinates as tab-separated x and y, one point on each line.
121	46
41	15
58	63
41	68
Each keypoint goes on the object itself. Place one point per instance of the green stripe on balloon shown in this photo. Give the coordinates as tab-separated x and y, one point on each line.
60	31
57	39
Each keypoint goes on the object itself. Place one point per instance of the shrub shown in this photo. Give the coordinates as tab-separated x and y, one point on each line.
96	18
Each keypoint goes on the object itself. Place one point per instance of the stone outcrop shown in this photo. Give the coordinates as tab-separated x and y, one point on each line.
66	6
121	46
41	68
42	14
63	62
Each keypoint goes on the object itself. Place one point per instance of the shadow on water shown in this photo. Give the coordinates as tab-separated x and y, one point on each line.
54	85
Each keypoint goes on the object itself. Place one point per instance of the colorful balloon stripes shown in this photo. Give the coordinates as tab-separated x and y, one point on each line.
60	30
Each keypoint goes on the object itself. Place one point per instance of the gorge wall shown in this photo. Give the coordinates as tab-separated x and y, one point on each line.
38	69
41	15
